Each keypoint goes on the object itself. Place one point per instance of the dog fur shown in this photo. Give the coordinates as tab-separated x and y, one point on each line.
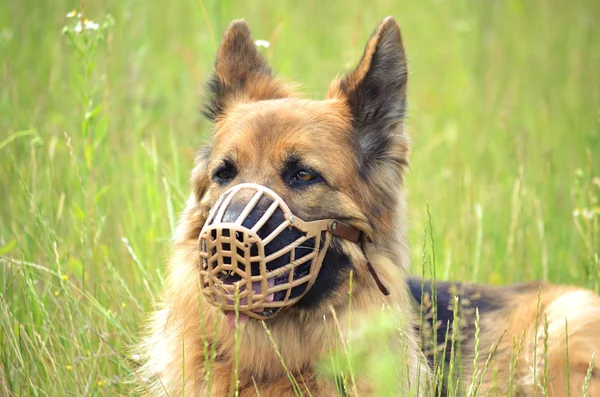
355	138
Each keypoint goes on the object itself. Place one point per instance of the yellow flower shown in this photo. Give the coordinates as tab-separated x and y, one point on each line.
56	293
123	305
72	14
68	367
65	278
99	383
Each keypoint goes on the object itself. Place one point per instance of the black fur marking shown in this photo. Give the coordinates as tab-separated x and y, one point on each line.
214	102
470	297
378	102
290	166
334	271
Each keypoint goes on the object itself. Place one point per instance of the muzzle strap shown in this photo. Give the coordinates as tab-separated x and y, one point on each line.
344	231
354	235
363	246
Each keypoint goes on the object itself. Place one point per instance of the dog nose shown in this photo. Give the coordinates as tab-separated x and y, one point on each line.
266	241
240	203
238	206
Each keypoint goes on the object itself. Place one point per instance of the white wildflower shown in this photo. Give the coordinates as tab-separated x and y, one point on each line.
91	25
576	212
262	43
74	14
88	25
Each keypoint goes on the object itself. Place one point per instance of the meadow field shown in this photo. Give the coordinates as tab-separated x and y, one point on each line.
98	132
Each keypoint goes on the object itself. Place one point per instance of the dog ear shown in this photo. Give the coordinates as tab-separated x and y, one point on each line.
375	93
241	73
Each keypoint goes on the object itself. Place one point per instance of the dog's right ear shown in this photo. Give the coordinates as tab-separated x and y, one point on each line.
241	73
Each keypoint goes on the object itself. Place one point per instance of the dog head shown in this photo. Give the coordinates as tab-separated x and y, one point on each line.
341	158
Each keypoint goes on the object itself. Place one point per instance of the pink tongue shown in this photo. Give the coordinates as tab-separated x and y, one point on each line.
242	318
270	284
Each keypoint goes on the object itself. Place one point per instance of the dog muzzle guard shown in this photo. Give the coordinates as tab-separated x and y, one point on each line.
234	266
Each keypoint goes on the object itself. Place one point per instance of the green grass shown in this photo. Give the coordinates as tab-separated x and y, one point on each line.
96	146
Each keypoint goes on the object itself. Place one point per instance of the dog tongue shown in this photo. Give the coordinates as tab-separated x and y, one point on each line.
242	318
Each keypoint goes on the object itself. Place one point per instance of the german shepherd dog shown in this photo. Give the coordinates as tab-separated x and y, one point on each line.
294	202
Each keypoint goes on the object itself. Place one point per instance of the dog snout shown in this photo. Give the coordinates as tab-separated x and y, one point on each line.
239	205
268	223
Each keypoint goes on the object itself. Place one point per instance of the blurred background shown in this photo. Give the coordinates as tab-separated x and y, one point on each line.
98	131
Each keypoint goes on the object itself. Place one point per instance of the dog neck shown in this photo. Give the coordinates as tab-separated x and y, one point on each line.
296	340
294	336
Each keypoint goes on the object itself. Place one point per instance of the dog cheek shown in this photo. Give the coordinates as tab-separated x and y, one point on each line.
191	221
334	273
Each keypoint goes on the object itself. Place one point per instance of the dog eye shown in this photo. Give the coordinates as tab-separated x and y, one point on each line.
225	173
304	176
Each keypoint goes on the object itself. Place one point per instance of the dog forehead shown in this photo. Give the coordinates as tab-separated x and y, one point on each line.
278	127
280	118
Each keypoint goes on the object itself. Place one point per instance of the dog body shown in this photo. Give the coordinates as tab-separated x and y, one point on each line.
341	158
523	325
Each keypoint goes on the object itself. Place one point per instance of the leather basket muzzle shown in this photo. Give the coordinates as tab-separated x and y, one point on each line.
236	268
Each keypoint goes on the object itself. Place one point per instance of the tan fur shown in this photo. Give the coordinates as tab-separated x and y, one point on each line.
186	322
577	311
260	120
512	334
233	66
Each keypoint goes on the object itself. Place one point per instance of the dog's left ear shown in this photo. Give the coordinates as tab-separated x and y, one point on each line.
241	73
375	93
